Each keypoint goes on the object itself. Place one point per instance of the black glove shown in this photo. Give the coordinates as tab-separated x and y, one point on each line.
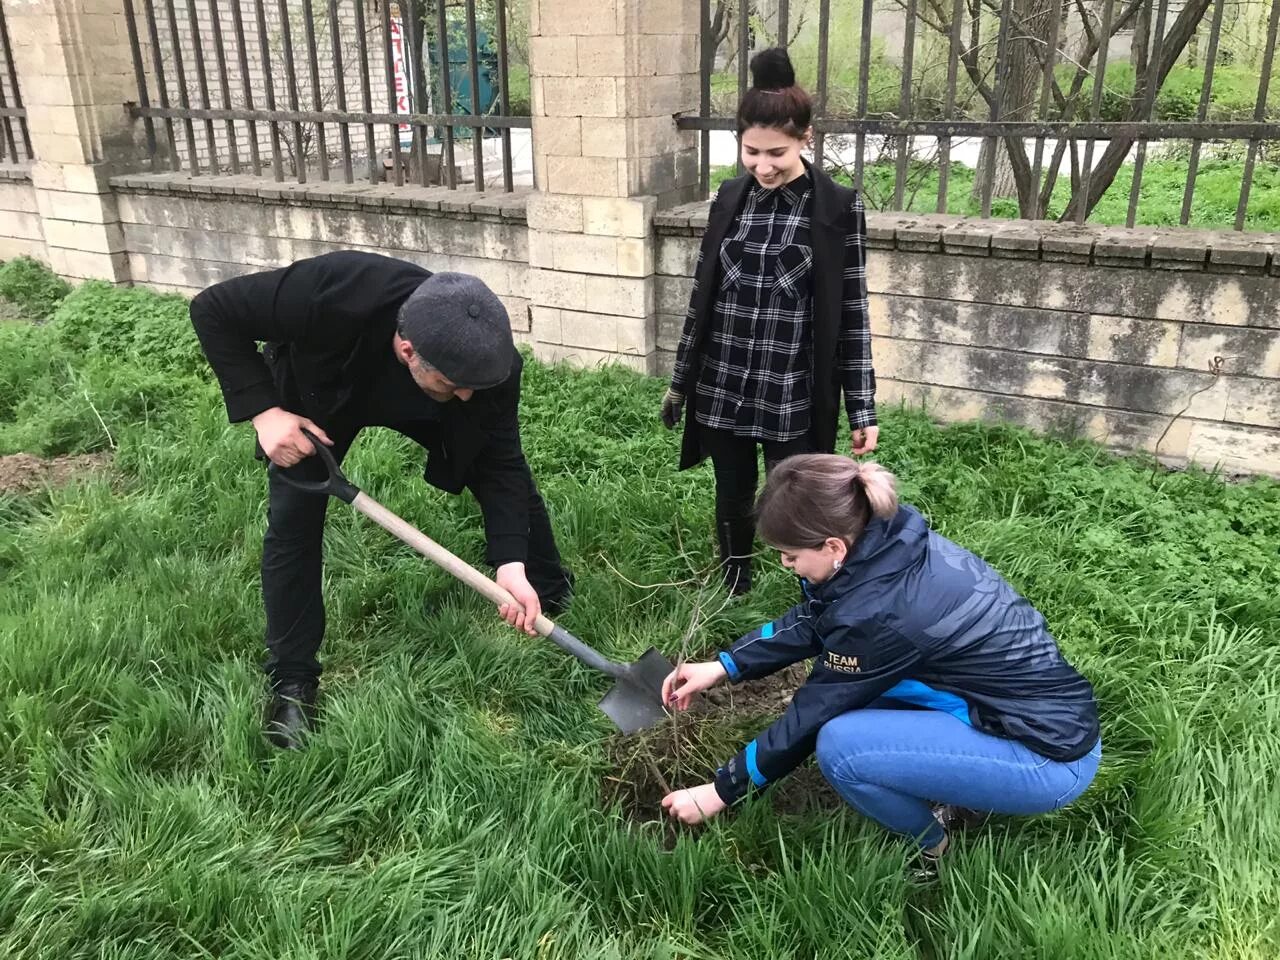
672	407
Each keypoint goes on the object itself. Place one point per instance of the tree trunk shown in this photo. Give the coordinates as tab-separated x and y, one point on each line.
1019	100
1113	157
1141	41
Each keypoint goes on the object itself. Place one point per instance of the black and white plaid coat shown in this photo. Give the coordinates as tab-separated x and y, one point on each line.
777	323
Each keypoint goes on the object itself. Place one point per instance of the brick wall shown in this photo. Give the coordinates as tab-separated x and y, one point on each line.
1106	333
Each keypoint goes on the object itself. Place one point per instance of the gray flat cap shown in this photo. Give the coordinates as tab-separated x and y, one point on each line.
456	324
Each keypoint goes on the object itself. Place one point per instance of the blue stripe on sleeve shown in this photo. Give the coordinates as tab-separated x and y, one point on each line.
766	631
757	777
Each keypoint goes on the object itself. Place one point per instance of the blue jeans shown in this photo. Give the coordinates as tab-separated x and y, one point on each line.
892	764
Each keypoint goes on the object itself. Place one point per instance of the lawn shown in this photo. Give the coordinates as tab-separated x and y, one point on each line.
1159	195
465	798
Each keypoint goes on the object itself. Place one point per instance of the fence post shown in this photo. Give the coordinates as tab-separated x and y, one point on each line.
76	72
607	79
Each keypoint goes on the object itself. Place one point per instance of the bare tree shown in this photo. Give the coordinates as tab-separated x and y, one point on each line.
1029	22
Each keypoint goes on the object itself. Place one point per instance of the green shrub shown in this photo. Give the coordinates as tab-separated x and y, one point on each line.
29	357
31	287
119	323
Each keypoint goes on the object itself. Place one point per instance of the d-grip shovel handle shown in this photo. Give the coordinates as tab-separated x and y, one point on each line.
339	486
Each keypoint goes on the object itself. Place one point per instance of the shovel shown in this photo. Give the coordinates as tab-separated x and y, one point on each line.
635	700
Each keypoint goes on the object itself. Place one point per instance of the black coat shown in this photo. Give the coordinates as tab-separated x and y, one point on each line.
832	219
327	324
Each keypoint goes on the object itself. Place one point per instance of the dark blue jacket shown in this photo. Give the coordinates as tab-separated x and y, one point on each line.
914	617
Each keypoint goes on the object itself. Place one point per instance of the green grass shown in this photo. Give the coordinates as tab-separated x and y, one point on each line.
1159	198
450	807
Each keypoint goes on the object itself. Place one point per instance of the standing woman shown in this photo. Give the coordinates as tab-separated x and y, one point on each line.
777	324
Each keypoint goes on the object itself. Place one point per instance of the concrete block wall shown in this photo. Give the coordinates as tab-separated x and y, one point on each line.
1133	338
184	234
22	233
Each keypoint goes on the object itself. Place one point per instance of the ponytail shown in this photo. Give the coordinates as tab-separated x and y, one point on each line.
879	487
814	496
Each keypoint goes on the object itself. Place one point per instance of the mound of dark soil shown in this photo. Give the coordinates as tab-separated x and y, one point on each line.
22	472
685	751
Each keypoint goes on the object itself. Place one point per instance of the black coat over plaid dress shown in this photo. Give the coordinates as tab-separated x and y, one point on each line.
777	324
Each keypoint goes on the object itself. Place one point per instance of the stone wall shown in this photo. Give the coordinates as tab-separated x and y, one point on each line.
184	234
23	230
1130	337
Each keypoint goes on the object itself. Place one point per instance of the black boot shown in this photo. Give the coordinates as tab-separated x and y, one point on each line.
737	543
291	714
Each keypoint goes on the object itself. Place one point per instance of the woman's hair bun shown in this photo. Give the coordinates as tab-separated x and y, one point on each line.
772	70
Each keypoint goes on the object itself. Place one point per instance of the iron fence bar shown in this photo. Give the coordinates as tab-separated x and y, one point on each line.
1202	110
949	110
508	178
162	87
904	104
1103	130
202	82
824	41
784	22
264	48
313	65
1148	109
366	92
9	115
446	95
1259	112
744	17
171	14
291	79
473	67
12	70
7	120
864	80
706	60
340	89
1095	109
246	87
333	116
1050	60
139	76
389	67
408	24
224	85
1002	64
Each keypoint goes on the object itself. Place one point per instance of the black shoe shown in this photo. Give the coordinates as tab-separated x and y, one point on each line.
555	593
737	576
923	868
554	606
737	543
291	714
952	817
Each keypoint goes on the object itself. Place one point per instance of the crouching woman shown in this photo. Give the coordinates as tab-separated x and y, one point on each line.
935	687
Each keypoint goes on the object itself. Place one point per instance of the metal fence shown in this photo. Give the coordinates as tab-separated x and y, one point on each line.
15	142
375	94
1062	107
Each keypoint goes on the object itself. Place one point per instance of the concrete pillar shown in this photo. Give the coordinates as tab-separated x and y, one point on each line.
607	79
76	73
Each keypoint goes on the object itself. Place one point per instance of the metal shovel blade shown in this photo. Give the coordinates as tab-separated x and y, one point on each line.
635	701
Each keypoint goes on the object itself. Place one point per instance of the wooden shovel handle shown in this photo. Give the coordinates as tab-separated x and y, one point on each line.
438	555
